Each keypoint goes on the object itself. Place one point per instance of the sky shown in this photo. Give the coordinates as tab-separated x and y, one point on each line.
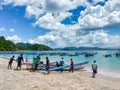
61	23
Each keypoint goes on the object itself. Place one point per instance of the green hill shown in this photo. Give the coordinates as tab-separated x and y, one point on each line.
6	45
27	46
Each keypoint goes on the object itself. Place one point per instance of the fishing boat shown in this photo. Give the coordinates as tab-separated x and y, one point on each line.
117	53
77	66
108	55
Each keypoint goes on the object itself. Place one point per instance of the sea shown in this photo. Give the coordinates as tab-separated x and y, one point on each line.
108	63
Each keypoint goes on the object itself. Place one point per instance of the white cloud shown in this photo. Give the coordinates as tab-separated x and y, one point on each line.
15	2
12	30
35	8
53	6
91	17
97	1
74	38
100	16
49	14
50	22
14	38
2	29
58	10
1	8
52	12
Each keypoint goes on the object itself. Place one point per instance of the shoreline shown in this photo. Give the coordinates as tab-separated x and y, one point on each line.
79	80
101	72
105	73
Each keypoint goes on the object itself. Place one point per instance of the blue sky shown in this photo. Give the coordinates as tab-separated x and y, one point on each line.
60	24
13	17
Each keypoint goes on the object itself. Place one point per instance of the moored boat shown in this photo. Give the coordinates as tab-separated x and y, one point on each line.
117	53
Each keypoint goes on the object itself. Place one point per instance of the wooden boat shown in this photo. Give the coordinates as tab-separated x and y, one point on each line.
108	55
117	53
53	67
77	66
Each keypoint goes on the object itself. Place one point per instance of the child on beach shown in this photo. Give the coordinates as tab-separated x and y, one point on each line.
94	69
10	62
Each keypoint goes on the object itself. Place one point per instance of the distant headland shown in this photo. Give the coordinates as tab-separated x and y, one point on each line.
86	48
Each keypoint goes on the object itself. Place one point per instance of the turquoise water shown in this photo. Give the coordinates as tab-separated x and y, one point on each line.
106	65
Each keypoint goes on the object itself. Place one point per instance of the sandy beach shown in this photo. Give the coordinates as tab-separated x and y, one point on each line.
79	80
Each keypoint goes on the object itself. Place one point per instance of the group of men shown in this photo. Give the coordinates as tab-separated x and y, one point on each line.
36	61
19	61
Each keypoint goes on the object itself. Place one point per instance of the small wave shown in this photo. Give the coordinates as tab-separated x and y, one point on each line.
111	74
106	73
4	57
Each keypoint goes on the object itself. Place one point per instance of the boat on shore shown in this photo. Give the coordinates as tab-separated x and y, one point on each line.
77	66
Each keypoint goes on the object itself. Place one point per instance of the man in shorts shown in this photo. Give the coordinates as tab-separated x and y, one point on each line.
94	69
10	62
19	61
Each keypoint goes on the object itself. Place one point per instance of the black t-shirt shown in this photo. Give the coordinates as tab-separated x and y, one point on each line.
20	59
11	59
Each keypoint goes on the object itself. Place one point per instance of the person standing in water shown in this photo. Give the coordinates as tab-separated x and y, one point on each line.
94	69
47	65
71	66
10	62
19	61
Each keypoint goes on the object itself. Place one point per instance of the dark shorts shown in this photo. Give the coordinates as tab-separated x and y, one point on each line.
36	66
19	63
94	71
72	67
10	63
47	68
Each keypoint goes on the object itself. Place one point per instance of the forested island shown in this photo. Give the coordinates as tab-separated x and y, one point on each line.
7	45
85	48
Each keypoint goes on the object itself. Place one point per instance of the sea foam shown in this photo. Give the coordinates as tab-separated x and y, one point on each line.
106	73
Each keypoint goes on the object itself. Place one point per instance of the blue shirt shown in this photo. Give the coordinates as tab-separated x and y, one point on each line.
61	62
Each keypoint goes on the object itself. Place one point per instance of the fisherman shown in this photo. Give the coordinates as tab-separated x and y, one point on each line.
10	62
62	63
47	65
19	61
36	61
71	65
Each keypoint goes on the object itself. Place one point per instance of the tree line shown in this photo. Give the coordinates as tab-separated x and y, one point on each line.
7	45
